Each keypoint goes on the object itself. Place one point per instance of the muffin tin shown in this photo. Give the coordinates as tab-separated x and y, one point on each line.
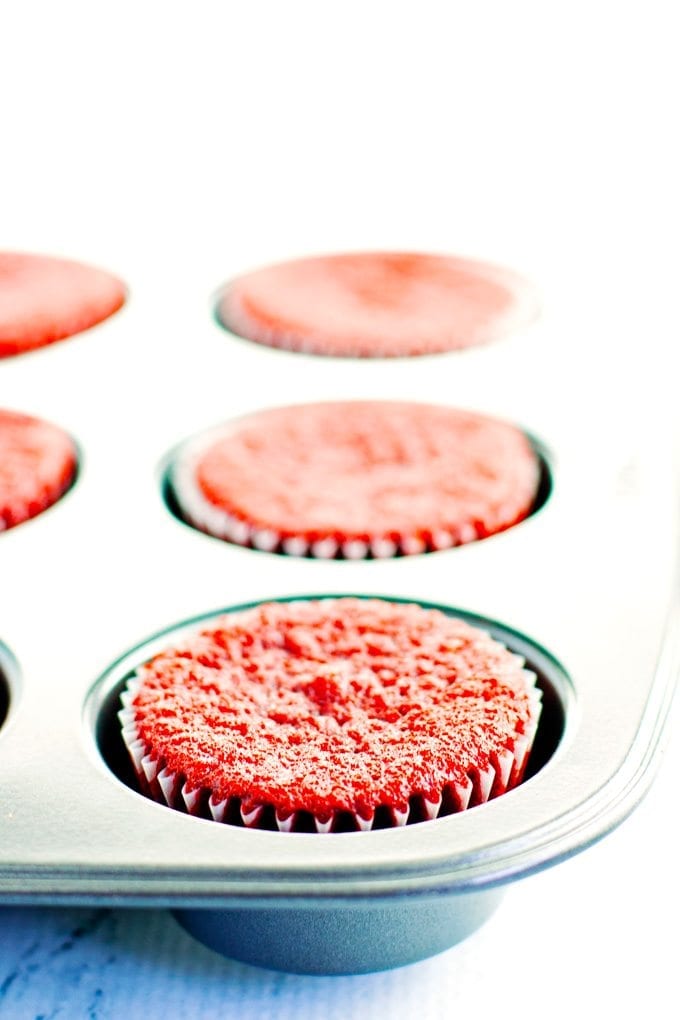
585	589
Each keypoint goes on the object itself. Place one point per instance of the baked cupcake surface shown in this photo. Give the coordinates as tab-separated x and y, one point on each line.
376	304
336	711
357	478
43	299
37	465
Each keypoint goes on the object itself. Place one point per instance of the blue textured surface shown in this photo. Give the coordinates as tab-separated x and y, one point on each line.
592	930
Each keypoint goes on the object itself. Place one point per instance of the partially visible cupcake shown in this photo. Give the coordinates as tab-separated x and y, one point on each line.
329	715
44	299
38	463
376	304
357	479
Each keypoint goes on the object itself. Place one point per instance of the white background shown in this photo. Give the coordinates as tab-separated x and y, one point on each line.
177	144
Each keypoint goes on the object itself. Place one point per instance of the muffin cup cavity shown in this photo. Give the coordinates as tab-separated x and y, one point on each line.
334	532
4	698
9	685
39	464
129	760
376	304
356	938
44	299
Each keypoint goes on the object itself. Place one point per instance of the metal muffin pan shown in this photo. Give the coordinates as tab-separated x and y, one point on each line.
585	589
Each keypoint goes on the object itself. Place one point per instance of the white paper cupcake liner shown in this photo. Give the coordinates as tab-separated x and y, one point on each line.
504	771
233	318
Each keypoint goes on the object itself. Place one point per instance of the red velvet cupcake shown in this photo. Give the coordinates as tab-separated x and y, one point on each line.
357	479
376	304
45	299
331	714
38	464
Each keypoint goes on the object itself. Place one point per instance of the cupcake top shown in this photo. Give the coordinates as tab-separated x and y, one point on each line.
376	304
358	478
337	705
37	464
44	299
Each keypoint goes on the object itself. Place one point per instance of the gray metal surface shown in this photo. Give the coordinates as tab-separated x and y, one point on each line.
590	578
355	937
